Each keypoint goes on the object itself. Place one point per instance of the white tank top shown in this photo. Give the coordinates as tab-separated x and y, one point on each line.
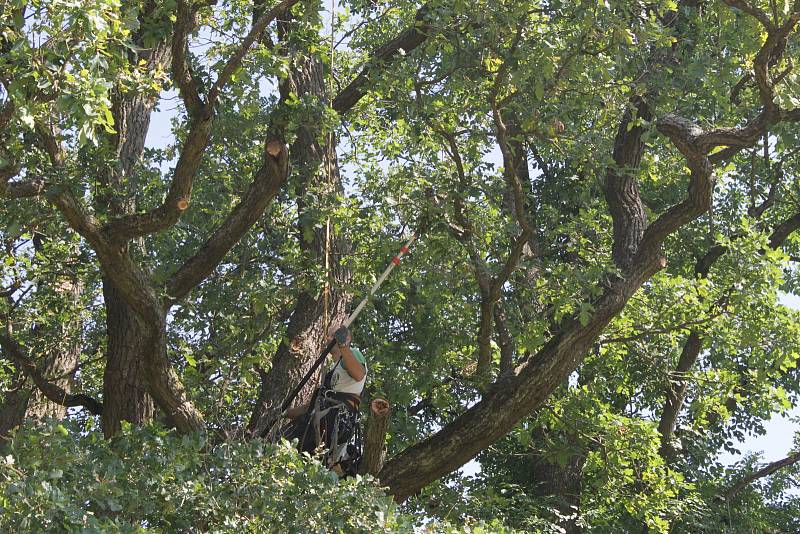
341	380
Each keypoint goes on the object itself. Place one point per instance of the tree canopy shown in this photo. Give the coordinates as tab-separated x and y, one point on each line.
606	195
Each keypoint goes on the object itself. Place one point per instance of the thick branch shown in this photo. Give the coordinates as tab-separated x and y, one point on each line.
32	188
266	183
381	57
621	188
676	391
505	340
499	410
537	378
132	282
375	437
52	391
179	194
701	184
180	190
181	73
783	230
121	229
747	137
770	51
753	11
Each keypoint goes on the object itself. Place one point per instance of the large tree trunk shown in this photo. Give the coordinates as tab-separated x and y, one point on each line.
14	406
316	163
25	401
125	393
559	485
125	387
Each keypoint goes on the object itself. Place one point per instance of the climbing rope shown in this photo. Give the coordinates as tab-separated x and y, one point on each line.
331	182
326	293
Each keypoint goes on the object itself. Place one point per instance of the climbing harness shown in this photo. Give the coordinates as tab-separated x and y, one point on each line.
333	422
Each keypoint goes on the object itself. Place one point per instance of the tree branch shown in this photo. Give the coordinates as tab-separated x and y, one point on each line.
53	392
489	286
381	57
127	227
178	197
621	189
181	72
505	340
235	61
32	188
375	437
753	11
765	471
501	408
783	230
658	331
676	391
266	183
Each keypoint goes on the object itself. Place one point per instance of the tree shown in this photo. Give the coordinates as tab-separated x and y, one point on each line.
610	196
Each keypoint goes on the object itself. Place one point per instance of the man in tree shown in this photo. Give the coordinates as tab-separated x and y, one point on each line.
332	414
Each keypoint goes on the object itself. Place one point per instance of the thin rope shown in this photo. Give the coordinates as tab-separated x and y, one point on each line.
326	295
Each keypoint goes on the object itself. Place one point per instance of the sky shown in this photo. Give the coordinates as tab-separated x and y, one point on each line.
777	442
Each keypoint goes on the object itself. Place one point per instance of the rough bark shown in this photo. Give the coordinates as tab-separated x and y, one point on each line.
14	406
137	319
505	340
621	186
558	484
125	389
50	389
27	401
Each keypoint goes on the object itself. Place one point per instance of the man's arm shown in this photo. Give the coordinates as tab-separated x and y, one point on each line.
349	360
351	364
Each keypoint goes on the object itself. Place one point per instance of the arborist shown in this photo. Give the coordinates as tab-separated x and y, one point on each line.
331	418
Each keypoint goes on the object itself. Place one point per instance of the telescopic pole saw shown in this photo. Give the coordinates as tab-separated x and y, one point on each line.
395	262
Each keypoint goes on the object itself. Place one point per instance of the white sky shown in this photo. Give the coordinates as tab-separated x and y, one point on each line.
777	442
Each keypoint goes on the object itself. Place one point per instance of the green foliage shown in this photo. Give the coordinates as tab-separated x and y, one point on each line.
544	64
57	478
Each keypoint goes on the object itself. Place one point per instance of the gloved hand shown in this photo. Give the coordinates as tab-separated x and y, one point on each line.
342	335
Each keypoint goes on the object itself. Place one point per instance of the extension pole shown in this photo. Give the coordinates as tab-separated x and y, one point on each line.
395	261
